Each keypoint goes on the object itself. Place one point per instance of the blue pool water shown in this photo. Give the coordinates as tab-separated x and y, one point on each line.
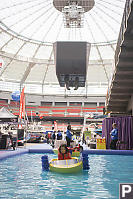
22	177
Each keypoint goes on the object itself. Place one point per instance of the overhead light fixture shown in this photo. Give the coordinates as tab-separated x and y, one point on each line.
73	15
73	11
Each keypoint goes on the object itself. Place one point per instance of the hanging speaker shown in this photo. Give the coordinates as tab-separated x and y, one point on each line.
71	61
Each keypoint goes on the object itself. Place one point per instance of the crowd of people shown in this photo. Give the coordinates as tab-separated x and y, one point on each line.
51	137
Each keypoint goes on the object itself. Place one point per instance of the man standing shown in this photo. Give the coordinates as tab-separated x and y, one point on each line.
68	135
114	137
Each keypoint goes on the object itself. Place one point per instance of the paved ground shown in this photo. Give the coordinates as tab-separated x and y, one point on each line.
5	153
37	146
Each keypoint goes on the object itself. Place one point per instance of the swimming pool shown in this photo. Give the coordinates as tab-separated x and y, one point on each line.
22	177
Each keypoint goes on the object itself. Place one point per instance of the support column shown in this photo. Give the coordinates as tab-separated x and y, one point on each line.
8	101
68	104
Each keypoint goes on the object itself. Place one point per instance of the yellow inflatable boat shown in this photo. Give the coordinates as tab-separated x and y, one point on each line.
73	165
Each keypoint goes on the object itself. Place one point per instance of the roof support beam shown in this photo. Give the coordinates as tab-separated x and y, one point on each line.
28	69
12	59
47	69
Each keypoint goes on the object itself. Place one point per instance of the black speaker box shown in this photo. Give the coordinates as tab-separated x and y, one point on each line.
71	61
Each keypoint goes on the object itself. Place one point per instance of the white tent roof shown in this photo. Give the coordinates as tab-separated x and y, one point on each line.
4	113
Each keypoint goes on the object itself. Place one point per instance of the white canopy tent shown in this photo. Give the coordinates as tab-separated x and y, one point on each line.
4	113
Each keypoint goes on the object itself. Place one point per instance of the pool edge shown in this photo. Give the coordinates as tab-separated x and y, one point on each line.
12	153
9	154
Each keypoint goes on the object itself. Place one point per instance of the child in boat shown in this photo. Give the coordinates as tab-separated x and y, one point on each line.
63	152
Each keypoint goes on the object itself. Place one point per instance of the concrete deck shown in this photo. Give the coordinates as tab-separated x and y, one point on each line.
29	147
39	148
9	153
